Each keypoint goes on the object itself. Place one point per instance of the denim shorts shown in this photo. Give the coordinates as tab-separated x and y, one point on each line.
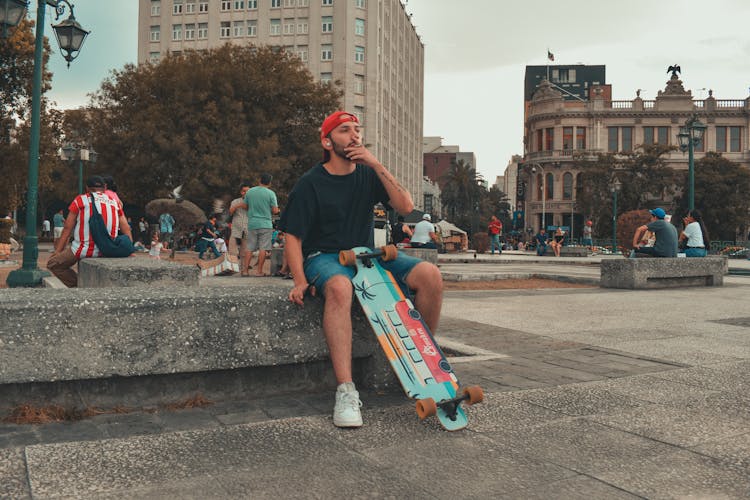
259	239
320	267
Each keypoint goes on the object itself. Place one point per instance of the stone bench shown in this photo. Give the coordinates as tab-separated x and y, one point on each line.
427	254
568	252
135	272
168	336
647	273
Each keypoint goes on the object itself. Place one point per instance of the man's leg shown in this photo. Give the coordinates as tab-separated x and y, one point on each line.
337	325
426	281
60	264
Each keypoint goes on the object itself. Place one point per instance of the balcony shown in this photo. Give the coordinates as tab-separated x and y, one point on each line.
559	154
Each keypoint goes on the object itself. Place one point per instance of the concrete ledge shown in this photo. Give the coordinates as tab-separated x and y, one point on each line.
52	335
135	272
650	273
568	252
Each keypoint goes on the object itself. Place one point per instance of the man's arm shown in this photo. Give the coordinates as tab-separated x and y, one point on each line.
294	259
398	197
275	210
70	223
637	236
125	227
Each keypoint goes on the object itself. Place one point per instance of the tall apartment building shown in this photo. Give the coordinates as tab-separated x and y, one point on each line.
559	129
370	46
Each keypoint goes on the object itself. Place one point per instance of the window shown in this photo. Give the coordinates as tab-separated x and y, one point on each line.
202	31
428	203
728	139
301	52
326	52
359	27
359	54
275	4
580	137
327	2
550	186
155	33
648	135
289	3
359	112
226	4
303	3
656	135
662	136
239	4
540	140
627	138
225	29
252	28
153	57
190	32
568	138
190	7
539	187
327	24
549	139
252	4
326	78
288	26
360	4
359	84
155	11
567	186
239	28
563	75
177	7
275	27
302	26
203	7
176	32
612	142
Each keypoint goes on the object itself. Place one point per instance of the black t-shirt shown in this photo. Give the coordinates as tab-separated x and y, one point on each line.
333	212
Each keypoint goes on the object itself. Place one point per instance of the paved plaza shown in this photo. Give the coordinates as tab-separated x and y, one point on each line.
591	393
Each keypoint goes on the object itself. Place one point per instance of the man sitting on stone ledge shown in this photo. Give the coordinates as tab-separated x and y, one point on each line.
666	237
330	209
77	224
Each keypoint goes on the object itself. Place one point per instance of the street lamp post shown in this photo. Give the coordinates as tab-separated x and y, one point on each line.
691	134
81	153
11	13
544	193
614	187
29	274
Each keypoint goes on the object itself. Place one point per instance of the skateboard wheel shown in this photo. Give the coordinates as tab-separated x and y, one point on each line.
390	252
347	258
426	408
474	394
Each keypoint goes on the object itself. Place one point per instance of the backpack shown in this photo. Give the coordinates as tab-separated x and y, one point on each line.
121	246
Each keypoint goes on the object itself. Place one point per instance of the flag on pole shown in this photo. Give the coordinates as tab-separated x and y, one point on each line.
550	55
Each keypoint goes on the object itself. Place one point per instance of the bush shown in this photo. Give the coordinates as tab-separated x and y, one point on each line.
627	223
480	242
5	227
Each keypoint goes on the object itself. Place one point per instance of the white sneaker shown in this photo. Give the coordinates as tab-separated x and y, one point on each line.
346	412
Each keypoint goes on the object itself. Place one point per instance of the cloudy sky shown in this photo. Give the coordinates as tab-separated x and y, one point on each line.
476	52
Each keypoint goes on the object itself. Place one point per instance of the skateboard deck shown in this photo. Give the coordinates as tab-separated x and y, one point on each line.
420	365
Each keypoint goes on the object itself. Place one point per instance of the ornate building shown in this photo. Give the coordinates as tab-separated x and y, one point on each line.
558	128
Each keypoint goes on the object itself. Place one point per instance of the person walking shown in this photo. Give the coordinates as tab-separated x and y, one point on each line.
238	237
77	225
261	206
58	221
330	209
166	228
494	230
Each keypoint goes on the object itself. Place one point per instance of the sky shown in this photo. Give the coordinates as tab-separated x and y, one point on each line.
476	52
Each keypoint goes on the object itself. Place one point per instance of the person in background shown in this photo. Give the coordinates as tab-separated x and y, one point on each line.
424	233
541	238
494	230
238	238
587	240
666	237
166	228
557	241
401	233
694	235
46	228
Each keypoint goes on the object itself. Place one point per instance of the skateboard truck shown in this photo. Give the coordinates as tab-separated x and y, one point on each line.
428	407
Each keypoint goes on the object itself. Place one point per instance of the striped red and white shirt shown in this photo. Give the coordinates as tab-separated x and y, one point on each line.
83	246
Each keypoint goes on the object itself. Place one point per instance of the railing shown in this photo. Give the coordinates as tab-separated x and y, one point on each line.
622	104
649	104
558	153
699	104
730	103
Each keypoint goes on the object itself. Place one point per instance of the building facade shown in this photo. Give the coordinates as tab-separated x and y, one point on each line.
369	46
559	129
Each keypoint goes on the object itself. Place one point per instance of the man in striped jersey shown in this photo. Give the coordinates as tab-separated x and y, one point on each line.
77	225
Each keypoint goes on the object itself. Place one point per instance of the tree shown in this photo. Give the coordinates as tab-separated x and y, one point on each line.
721	194
208	120
461	194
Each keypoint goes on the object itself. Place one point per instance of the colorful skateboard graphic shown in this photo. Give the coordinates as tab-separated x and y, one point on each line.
420	365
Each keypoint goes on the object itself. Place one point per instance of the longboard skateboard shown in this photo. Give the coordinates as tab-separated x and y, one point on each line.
419	363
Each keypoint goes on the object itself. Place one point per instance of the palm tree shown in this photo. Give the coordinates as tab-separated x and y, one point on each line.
461	194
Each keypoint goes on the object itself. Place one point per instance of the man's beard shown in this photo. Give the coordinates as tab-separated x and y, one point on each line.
339	151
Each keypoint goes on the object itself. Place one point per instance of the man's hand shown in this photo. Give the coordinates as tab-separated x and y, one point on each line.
297	294
358	153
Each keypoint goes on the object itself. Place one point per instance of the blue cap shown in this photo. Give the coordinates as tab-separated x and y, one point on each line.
659	213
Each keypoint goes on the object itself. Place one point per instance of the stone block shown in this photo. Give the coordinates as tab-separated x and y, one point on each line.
135	272
77	334
568	252
647	273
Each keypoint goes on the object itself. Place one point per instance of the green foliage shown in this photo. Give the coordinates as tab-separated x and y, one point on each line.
480	241
467	204
721	194
209	120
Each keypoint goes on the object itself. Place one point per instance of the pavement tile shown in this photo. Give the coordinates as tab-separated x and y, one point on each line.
574	488
509	410
658	390
691	350
581	399
675	425
13	482
194	488
679	474
180	420
734	451
128	424
24	435
58	432
731	376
